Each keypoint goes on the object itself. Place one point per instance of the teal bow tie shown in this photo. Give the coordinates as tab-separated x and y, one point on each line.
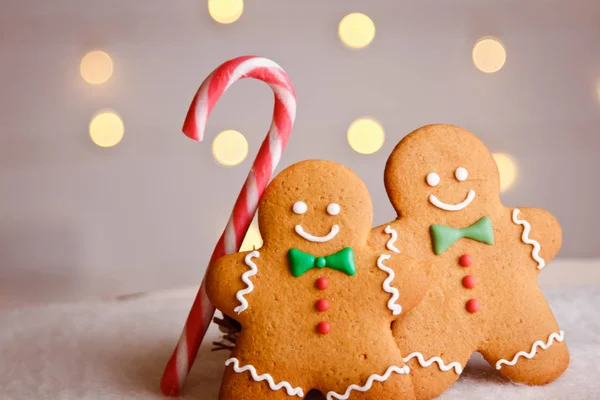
343	261
444	236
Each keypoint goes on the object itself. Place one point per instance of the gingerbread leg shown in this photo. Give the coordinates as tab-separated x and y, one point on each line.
527	346
429	346
377	374
397	387
242	386
434	372
537	357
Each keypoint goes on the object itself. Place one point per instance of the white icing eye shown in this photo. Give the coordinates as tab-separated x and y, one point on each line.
433	179
461	174
299	207
333	209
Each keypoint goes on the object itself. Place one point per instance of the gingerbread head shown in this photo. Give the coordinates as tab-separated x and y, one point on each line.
315	302
482	258
330	210
449	181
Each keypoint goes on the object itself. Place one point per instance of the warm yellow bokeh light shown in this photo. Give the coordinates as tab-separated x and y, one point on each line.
507	169
252	240
366	135
489	55
96	67
106	129
225	11
356	30
598	91
230	148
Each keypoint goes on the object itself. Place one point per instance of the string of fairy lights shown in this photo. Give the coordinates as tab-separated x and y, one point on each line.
365	135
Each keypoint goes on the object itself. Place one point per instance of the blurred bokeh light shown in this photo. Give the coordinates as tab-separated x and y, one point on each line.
356	30
225	11
507	168
366	135
96	67
252	240
106	129
489	55
230	148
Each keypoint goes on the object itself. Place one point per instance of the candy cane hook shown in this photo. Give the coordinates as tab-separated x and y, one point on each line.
268	156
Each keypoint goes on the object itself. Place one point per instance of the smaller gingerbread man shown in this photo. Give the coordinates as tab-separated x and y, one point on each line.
316	301
482	258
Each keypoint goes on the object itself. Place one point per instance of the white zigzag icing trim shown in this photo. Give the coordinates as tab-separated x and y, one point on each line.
395	308
535	253
559	337
390	243
291	391
246	278
373	378
443	367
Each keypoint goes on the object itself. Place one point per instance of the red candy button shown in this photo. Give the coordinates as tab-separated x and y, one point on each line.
469	281
322	305
322	283
465	260
472	305
323	327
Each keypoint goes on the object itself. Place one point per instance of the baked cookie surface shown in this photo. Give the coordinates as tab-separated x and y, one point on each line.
316	301
482	261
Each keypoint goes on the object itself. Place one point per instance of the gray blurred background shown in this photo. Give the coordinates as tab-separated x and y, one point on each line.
79	220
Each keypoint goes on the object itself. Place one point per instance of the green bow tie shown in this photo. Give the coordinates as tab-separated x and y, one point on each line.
343	261
444	236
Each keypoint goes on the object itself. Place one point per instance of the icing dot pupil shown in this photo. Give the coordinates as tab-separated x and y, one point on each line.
299	207
461	174
433	179
333	209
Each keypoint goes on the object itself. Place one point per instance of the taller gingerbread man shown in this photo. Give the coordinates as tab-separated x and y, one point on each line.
316	301
482	258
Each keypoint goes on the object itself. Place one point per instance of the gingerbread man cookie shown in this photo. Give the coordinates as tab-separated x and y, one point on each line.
482	260
316	301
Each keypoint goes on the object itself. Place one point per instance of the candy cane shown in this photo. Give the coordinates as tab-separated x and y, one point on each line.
268	156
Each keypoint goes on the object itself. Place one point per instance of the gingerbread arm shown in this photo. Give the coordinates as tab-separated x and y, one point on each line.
409	279
539	226
229	283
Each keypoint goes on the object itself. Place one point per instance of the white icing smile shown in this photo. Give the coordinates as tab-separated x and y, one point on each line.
319	239
452	207
333	209
461	174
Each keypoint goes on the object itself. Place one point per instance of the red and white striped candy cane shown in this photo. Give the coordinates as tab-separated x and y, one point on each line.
266	160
